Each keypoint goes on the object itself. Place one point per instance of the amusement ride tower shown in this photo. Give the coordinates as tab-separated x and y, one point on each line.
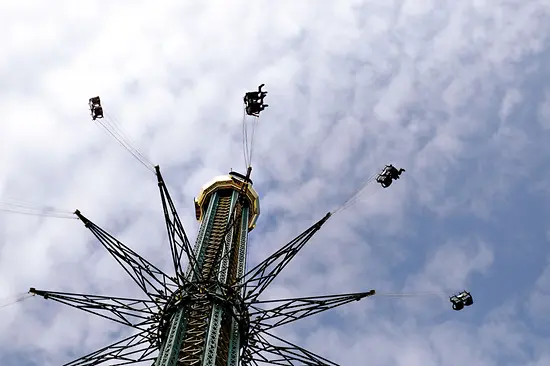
210	329
211	313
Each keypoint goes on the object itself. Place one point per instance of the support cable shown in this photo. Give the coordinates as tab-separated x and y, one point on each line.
357	194
27	208
114	128
14	299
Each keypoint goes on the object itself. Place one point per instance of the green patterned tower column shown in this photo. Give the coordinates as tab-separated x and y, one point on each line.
204	323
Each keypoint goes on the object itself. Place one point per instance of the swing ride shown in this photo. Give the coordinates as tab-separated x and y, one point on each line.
461	299
95	108
388	174
211	312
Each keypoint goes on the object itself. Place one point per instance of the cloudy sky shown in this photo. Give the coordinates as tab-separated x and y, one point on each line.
456	92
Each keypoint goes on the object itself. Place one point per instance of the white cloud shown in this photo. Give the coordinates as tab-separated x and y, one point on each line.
539	301
510	101
353	85
452	264
544	111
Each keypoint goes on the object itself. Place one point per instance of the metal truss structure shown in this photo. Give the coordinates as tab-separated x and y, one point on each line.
168	298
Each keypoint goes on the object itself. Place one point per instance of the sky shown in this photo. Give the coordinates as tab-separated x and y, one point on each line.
455	92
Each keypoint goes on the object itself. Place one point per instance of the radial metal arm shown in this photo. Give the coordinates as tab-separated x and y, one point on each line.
179	243
248	358
286	354
148	277
130	312
131	350
259	277
288	310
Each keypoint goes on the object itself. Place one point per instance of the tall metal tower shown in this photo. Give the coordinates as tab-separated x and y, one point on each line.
211	328
211	313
